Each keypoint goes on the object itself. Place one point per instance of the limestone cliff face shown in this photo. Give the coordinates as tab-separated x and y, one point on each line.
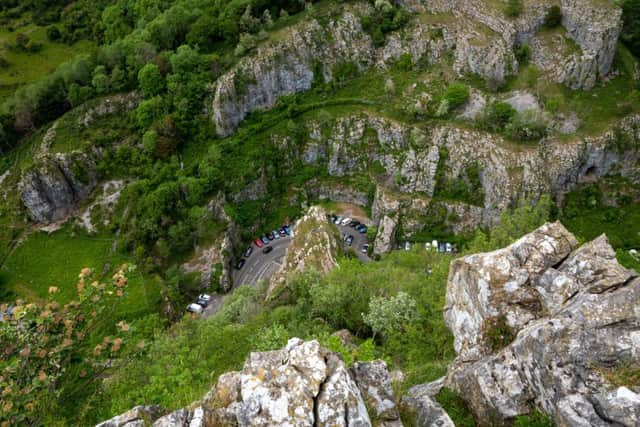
51	189
575	312
411	157
315	246
301	385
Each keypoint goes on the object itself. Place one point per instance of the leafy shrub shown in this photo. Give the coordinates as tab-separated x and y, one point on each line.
496	116
523	52
527	126
631	29
553	17
456	95
392	314
53	33
150	80
405	62
513	8
498	333
535	419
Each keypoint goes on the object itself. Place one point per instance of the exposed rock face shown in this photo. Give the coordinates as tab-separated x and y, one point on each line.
215	261
575	312
288	67
302	384
410	157
51	189
315	246
375	385
428	413
139	416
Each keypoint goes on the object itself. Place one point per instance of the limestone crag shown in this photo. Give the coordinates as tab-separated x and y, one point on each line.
575	313
407	160
420	400
302	384
52	187
315	246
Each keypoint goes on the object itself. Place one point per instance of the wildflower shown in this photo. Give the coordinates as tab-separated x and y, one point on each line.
53	289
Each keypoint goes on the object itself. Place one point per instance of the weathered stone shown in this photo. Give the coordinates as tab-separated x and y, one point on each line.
584	315
51	189
139	416
428	413
484	286
375	385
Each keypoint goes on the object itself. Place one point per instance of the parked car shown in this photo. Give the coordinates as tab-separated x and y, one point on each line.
442	248
448	247
270	236
248	252
349	240
258	243
265	240
195	308
427	246
407	246
434	245
275	234
240	263
345	221
333	218
282	232
287	229
203	300
354	223
338	220
365	248
362	228
267	249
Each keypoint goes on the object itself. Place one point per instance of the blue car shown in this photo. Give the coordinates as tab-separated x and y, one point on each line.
362	228
265	240
287	229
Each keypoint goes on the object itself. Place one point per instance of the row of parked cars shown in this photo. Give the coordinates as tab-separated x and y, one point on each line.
262	242
346	221
201	303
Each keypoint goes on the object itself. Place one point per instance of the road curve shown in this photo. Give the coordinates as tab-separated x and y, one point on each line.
261	266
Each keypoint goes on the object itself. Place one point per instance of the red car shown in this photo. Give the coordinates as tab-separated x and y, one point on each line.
258	243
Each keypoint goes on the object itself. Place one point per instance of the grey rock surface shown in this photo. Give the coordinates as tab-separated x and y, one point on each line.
428	413
574	313
139	416
51	189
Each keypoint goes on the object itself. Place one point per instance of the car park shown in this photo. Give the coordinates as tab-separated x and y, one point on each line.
267	249
258	243
203	300
195	308
265	240
345	221
240	263
248	252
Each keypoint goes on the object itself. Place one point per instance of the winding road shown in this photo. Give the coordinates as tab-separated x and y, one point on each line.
261	266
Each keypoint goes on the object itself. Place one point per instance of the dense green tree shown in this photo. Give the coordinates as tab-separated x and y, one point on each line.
631	29
150	80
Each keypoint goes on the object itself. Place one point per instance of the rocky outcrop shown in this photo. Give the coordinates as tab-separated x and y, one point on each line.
289	67
315	246
574	313
302	384
136	417
407	159
51	189
214	261
420	400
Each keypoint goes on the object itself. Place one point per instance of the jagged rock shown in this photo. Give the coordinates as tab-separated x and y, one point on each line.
109	105
386	235
300	385
51	189
574	313
315	250
179	418
523	101
428	413
375	386
500	283
139	416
